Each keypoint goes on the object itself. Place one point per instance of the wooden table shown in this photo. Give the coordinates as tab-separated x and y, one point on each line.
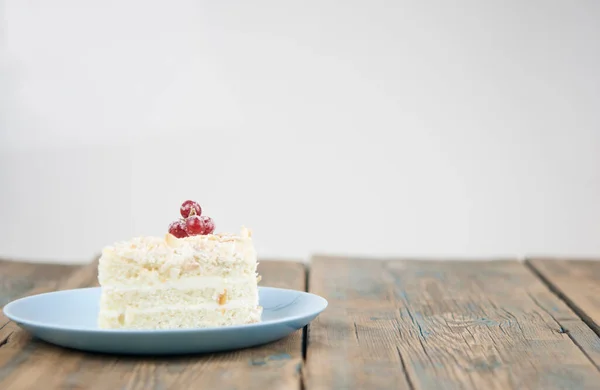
393	324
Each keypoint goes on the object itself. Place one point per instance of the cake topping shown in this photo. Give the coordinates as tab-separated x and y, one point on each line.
172	241
177	229
209	224
193	222
189	208
194	225
246	233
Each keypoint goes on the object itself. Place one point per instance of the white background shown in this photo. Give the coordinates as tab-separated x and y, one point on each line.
407	128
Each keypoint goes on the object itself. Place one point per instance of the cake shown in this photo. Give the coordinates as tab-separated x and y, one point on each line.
180	280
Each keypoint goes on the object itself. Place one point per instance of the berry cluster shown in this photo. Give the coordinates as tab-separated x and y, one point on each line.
193	222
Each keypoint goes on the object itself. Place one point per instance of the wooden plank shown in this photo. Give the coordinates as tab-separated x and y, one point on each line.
16	345
273	366
577	282
19	279
441	325
585	338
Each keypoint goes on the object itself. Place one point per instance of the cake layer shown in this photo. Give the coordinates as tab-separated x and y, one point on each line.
113	272
145	297
179	317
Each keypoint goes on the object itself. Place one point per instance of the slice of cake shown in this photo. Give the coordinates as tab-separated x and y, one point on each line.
198	280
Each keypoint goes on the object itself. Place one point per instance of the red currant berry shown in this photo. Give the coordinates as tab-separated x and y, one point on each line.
194	225
177	229
209	225
189	208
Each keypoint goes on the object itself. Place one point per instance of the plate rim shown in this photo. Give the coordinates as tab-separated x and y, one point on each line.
21	321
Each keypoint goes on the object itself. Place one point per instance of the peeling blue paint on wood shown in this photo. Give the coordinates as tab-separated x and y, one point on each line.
264	361
421	323
402	294
280	356
563	378
483	365
434	274
487	322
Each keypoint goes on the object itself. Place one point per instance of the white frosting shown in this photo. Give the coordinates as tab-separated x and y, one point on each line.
189	283
234	304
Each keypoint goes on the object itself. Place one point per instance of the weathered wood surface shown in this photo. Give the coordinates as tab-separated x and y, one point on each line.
390	325
443	325
27	363
21	279
20	355
577	282
17	278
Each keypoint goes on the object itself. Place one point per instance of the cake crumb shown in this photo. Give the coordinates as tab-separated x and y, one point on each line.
223	298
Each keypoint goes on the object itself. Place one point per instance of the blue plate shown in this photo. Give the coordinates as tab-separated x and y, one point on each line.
68	318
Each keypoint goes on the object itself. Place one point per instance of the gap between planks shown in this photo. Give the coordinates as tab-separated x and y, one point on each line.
560	294
305	331
581	333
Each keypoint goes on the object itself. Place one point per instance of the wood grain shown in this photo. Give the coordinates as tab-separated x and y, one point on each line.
25	362
441	325
19	279
577	282
19	353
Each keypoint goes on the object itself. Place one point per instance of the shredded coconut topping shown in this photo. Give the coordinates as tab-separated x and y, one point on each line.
188	252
